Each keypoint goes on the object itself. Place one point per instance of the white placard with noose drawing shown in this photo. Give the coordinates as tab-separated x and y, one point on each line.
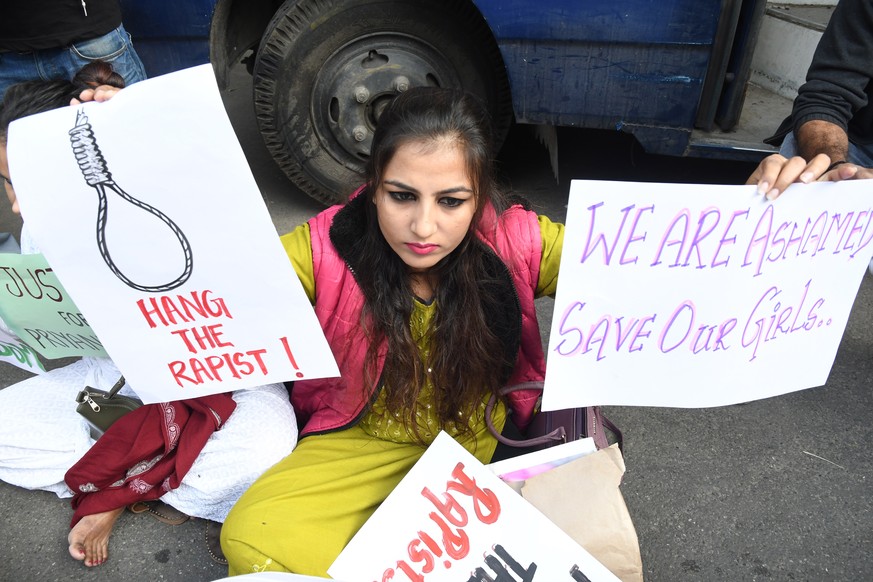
146	209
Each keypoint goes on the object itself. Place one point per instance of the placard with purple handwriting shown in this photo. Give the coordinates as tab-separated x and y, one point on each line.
692	296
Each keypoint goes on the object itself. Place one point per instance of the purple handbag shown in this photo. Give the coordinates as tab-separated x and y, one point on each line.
558	426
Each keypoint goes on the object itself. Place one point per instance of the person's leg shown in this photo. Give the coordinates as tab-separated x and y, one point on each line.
861	155
115	48
261	432
89	539
41	435
15	68
302	512
789	146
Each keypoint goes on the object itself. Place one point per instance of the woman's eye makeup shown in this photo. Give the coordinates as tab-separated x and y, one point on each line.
401	196
452	202
407	196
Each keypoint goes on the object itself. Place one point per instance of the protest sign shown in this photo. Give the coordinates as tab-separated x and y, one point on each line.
16	352
520	468
452	520
146	209
691	296
37	308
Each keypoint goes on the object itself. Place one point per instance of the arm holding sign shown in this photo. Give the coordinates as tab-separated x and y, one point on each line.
201	471
829	134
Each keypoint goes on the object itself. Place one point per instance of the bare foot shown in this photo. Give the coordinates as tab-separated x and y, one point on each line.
89	539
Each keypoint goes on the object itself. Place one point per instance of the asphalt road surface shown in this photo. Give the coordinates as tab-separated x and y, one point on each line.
770	490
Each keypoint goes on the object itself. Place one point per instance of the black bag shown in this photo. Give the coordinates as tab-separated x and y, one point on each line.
101	408
558	426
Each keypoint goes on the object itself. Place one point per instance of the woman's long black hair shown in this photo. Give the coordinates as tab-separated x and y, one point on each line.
466	360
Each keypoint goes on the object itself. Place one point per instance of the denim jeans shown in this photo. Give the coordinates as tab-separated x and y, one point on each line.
861	155
62	63
8	244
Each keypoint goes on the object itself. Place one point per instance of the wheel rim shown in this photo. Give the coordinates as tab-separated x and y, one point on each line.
358	81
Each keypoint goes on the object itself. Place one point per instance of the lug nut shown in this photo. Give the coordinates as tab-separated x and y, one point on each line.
401	84
361	94
359	133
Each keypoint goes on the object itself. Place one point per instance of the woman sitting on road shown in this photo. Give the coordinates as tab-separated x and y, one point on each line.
424	283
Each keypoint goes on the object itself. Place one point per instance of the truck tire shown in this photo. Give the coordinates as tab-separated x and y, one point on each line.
326	69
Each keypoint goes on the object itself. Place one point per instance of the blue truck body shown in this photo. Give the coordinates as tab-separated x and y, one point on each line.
658	69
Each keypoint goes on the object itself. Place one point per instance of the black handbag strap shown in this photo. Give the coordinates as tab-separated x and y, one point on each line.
115	388
86	393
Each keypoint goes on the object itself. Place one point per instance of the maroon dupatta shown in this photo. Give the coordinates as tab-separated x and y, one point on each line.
145	453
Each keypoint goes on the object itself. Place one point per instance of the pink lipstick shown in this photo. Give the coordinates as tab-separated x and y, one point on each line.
421	248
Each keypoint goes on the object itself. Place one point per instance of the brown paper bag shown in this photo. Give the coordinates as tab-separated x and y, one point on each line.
583	499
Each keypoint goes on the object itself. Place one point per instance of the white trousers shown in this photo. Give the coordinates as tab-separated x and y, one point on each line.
41	436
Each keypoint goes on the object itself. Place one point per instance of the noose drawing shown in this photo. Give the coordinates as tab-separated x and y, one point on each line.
97	175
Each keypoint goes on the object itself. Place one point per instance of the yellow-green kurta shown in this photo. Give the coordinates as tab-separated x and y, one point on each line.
299	515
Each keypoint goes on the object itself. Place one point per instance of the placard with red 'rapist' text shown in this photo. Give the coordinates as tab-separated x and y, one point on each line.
148	213
694	295
452	520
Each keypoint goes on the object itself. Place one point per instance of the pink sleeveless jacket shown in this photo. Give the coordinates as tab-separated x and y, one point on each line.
329	404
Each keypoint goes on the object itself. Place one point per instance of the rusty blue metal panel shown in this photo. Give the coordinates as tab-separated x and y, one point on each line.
169	35
602	85
163	19
634	21
632	65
